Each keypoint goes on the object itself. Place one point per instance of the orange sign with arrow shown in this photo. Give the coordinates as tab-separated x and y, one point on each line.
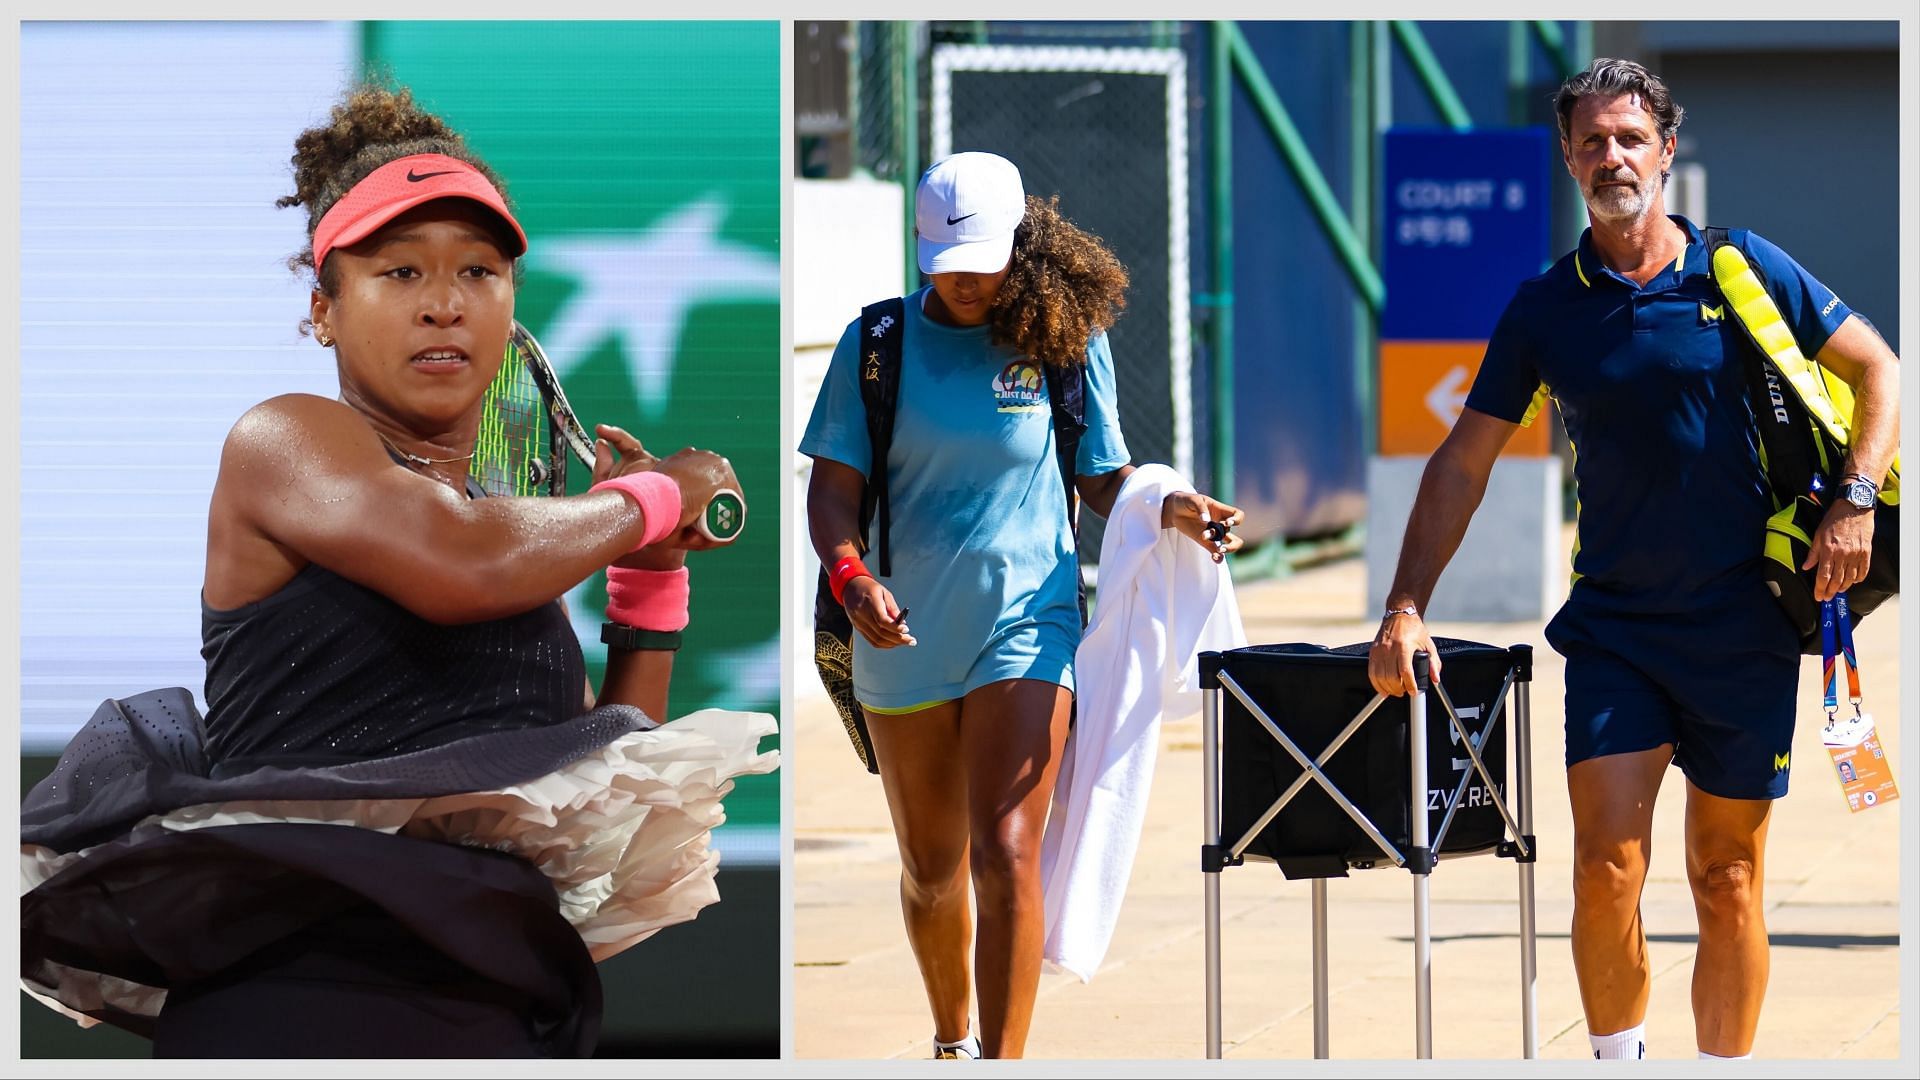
1423	387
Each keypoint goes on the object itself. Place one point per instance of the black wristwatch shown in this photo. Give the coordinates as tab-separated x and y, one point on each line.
621	636
1859	491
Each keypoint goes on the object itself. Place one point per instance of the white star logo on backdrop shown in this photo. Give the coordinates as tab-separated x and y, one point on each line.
639	287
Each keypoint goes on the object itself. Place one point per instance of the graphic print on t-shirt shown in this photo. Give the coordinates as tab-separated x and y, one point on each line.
1019	388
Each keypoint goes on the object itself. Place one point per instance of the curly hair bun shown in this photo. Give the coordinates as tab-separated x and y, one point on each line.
373	125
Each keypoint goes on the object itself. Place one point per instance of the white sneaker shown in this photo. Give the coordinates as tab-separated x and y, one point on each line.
967	1049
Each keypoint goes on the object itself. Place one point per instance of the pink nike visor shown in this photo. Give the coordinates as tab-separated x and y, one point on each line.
399	186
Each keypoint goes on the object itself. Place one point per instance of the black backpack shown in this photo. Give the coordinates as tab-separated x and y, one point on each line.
1802	414
880	332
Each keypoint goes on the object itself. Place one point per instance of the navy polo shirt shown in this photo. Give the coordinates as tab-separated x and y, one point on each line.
1651	382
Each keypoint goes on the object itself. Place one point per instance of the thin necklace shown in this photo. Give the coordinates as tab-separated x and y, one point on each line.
418	460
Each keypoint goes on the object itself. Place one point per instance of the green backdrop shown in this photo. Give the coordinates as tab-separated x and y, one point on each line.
643	160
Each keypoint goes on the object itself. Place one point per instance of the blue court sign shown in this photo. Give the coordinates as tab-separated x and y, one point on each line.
1465	221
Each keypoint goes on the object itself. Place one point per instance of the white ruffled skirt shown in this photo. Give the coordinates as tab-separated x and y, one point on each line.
621	833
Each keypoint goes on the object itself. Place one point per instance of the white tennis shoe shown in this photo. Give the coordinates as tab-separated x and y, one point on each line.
966	1049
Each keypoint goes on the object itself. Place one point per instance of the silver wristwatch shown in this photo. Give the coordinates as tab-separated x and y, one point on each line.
1859	491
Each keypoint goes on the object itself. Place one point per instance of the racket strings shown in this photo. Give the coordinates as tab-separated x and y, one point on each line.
511	455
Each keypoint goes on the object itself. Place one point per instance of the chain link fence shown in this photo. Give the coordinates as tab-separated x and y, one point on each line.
1097	113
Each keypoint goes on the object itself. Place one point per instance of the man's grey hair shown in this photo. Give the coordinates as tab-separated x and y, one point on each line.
1608	77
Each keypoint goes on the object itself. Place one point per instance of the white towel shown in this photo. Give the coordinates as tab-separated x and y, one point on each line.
1163	601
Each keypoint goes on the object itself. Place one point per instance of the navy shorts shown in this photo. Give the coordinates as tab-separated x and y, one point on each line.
1719	684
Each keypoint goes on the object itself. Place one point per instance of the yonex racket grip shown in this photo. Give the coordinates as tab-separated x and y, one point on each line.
724	517
658	498
648	599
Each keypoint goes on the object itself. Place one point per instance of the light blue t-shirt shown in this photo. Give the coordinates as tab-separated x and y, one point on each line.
982	550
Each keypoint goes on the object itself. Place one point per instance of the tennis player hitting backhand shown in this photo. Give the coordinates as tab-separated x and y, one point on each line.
386	651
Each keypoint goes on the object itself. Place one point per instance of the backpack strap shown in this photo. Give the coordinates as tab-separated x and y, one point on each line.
1788	394
882	325
1067	396
1745	289
1826	398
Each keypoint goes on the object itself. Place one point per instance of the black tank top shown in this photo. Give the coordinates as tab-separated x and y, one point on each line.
327	671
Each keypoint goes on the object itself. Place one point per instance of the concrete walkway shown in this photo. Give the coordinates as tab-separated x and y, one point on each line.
1832	891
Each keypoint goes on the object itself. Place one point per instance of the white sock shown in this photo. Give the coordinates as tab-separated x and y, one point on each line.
966	1042
1627	1045
1724	1057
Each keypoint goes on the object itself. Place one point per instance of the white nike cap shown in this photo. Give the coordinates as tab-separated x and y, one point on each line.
966	210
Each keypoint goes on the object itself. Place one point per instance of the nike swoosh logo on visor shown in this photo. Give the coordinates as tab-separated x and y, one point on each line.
963	217
414	177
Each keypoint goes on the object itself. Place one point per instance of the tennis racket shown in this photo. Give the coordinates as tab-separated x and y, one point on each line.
528	431
527	428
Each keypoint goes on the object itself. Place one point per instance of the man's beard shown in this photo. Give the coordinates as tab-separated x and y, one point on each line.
1621	203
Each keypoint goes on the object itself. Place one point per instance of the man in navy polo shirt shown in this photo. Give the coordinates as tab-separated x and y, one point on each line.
1676	652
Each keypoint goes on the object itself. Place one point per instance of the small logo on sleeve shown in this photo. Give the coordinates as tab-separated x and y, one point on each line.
1019	388
1831	304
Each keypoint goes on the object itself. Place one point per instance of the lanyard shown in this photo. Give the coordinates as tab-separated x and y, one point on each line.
1834	624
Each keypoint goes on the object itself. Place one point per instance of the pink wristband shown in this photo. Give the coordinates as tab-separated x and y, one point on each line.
647	599
658	498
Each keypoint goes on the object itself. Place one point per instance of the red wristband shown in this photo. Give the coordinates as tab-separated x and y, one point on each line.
647	599
658	498
844	571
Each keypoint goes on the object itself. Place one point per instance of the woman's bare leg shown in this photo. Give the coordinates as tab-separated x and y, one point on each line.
925	778
1012	733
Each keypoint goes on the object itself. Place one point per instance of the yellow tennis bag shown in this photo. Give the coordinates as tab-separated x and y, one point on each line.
1802	412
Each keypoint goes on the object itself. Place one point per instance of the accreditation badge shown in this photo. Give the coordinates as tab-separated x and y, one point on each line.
1860	761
